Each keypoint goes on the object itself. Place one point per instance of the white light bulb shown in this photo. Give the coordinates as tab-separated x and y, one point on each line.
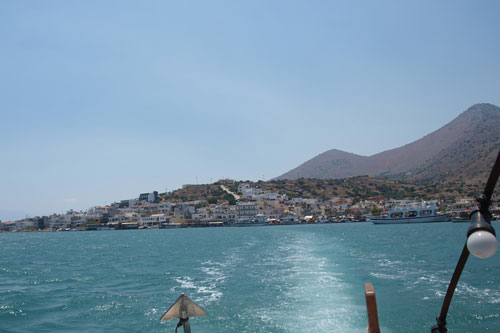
482	244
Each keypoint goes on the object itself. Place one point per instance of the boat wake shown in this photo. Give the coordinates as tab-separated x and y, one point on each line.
312	295
205	284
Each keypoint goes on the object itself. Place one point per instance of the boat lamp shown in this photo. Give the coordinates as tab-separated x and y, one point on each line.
481	237
481	242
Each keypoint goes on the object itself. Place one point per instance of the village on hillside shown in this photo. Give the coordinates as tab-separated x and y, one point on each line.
250	206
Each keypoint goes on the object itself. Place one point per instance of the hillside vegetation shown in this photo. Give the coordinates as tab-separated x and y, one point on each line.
360	187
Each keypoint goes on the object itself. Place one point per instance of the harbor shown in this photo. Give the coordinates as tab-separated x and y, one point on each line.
250	206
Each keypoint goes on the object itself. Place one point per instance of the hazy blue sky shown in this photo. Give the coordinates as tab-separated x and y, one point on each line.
102	100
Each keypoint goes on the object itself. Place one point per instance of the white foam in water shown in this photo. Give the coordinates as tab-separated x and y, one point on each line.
106	307
203	291
185	282
483	295
479	317
206	289
386	276
313	297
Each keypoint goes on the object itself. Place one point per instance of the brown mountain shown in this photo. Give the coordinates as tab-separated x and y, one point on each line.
464	149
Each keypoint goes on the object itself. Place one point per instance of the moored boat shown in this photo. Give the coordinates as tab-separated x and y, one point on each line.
461	216
420	214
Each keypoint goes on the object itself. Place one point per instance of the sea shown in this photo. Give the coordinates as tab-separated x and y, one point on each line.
298	278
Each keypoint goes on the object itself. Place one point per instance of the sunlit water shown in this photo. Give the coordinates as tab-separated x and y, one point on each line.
304	278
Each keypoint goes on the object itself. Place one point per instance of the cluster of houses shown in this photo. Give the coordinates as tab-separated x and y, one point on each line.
253	206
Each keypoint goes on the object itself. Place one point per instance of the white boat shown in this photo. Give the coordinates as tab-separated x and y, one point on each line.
420	214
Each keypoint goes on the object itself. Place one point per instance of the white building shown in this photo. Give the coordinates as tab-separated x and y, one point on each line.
98	210
245	210
155	220
165	207
249	192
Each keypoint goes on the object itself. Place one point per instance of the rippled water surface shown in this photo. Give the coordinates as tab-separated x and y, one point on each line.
304	278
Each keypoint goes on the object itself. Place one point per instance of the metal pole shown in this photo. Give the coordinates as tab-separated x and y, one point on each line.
485	219
187	327
492	179
441	320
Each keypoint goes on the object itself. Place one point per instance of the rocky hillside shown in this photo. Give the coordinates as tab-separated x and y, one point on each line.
333	164
470	157
463	150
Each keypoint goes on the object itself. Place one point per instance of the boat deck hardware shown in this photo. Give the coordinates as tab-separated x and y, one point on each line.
371	309
183	308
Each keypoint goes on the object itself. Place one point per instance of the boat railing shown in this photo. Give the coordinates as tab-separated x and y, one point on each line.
371	309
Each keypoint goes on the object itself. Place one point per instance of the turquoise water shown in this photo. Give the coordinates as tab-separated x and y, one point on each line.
304	278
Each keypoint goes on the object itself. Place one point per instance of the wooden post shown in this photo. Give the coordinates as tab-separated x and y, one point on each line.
371	308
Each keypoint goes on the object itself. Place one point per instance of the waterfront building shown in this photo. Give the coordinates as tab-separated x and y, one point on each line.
8	226
154	220
202	213
56	222
42	222
246	210
462	207
127	217
24	224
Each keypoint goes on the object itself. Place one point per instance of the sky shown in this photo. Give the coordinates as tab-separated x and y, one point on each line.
103	100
